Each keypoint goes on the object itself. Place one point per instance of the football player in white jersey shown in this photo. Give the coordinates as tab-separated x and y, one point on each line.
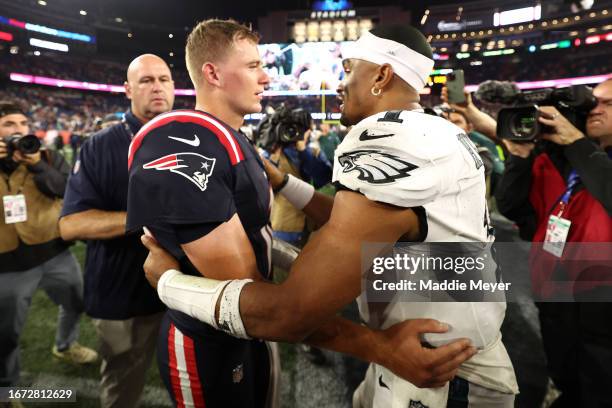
403	175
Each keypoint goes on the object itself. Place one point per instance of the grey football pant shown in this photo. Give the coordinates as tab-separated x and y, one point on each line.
61	278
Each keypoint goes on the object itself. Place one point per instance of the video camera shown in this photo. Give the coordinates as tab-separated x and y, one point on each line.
520	123
283	127
27	144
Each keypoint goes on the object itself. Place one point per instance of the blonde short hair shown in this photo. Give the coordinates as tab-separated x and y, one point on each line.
210	40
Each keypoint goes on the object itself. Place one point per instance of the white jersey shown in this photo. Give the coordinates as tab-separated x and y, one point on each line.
411	159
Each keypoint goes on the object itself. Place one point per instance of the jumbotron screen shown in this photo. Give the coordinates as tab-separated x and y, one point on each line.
303	67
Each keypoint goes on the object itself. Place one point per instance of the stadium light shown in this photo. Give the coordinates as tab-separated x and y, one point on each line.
424	18
50	45
42	2
594	39
46	30
83	12
498	52
4	36
24	78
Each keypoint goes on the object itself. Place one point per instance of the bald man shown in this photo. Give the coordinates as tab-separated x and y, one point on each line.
126	310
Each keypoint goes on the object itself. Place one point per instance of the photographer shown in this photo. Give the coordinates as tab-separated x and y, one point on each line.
566	174
284	136
32	254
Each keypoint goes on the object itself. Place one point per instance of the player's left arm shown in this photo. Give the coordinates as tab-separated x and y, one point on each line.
327	274
315	205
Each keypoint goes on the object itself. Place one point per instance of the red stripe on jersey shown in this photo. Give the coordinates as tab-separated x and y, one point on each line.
194	379
174	374
170	165
224	135
161	162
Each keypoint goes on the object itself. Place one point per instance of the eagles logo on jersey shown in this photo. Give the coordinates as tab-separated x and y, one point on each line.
194	167
375	167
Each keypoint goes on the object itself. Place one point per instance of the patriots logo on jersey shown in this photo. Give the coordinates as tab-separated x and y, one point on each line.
375	167
194	167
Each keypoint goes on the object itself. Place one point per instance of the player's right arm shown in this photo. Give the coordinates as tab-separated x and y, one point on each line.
84	215
224	253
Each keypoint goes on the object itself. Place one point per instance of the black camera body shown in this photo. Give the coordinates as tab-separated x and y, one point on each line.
520	123
27	144
282	128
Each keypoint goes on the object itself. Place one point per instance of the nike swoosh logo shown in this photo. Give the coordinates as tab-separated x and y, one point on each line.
381	383
365	136
195	142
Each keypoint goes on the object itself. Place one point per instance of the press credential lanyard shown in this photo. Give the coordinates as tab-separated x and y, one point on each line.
15	209
558	227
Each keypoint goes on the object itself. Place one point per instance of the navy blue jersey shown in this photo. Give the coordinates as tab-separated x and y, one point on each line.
115	286
189	171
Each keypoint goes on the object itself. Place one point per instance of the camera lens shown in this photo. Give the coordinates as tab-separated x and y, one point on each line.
523	126
28	144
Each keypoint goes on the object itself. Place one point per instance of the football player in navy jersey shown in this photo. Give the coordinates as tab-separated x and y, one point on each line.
201	216
201	189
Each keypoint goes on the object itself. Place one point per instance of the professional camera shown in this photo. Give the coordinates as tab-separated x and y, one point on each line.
282	127
27	144
520	122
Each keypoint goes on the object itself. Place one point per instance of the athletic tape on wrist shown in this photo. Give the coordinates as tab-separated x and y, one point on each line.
194	295
297	192
230	320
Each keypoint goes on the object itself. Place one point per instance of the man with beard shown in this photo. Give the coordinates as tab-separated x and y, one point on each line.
32	254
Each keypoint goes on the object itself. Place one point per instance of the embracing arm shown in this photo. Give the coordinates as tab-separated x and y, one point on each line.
326	276
318	208
398	348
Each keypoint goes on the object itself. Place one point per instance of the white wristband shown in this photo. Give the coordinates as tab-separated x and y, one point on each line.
297	192
193	295
230	320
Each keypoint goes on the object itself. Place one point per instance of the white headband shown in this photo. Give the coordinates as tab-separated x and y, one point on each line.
412	67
